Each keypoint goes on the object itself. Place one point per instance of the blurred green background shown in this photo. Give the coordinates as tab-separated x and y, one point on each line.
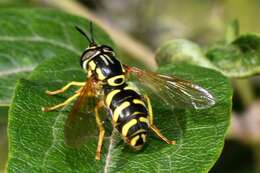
153	22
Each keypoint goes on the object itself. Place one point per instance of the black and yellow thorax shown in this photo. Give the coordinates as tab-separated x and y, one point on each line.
127	109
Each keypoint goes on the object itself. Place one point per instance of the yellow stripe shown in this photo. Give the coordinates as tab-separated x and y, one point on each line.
144	137
100	74
123	69
89	73
129	88
92	65
127	126
137	101
112	80
143	119
135	113
110	96
138	131
134	140
119	109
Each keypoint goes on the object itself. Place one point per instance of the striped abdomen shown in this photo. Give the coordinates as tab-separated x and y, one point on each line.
127	109
128	112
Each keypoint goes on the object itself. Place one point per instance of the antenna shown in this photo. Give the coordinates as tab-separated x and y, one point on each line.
91	31
83	33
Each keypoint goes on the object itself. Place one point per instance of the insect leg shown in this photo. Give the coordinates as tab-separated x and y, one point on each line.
47	109
101	129
152	126
65	88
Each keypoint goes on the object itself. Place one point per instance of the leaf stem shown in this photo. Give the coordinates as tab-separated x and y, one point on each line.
3	114
232	31
245	91
243	86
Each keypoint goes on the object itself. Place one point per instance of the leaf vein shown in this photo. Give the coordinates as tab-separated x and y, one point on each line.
41	39
16	70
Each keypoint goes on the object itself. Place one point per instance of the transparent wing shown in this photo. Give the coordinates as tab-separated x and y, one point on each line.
173	91
81	123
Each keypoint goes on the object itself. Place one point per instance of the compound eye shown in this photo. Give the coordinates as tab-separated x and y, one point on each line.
88	54
107	48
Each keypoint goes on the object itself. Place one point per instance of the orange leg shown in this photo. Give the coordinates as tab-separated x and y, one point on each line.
81	84
63	89
66	102
101	130
153	127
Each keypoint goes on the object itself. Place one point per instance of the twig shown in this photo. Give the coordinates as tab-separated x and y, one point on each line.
129	45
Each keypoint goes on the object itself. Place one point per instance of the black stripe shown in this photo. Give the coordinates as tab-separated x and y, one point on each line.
139	125
140	140
136	127
130	110
122	96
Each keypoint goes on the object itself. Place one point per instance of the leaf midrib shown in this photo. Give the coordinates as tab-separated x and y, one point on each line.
108	157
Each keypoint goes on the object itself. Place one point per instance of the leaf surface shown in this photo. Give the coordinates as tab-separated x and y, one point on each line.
37	138
29	36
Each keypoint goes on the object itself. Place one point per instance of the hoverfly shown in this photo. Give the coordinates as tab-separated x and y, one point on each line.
130	112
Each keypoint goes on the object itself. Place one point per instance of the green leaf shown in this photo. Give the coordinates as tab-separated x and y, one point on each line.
37	138
181	51
29	36
240	58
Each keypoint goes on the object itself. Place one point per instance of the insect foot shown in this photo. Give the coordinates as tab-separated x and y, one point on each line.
45	109
172	142
97	156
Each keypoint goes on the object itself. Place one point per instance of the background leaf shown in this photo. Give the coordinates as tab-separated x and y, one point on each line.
181	51
240	58
37	138
28	36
